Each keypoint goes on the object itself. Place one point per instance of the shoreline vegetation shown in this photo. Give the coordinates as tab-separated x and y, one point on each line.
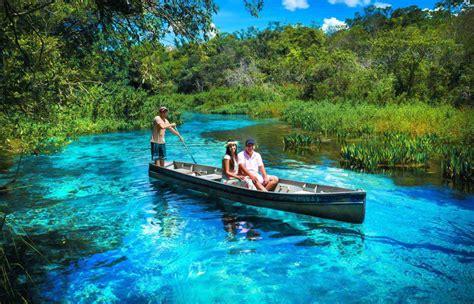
398	80
405	135
394	86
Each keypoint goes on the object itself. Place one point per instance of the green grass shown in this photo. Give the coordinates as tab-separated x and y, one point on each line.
395	136
354	120
399	150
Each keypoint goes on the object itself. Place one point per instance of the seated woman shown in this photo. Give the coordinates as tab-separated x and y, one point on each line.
230	168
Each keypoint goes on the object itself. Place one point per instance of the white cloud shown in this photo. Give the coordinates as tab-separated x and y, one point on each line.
382	5
331	25
213	31
293	5
351	3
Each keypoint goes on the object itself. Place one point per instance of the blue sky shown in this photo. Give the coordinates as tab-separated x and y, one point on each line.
233	16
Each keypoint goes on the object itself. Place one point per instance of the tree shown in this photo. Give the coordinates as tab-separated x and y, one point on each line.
373	19
117	24
421	61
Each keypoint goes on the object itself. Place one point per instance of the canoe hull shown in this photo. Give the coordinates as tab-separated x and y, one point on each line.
341	206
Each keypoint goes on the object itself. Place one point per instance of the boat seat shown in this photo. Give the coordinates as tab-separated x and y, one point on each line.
311	189
213	176
185	171
283	188
302	192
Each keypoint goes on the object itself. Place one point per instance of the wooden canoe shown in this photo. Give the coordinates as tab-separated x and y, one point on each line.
292	196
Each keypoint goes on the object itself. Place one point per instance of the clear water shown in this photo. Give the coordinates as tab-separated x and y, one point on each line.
110	234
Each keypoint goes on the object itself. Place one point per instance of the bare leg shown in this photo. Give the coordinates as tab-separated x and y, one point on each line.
156	162
162	162
272	183
260	187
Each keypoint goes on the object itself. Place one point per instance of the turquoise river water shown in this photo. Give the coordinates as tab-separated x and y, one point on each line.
110	234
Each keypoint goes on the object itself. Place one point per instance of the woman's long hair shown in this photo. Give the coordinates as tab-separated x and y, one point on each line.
232	161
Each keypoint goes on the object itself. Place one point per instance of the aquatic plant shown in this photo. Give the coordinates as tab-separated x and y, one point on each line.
457	162
392	150
298	141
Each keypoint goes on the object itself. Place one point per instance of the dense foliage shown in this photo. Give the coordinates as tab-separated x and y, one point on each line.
92	66
100	60
401	80
97	66
79	66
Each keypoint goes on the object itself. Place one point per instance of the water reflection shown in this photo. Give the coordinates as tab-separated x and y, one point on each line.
235	228
165	220
260	224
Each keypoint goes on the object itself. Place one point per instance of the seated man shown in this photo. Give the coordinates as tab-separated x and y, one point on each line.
250	163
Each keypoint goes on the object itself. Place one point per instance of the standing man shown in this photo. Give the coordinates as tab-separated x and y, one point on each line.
158	147
250	163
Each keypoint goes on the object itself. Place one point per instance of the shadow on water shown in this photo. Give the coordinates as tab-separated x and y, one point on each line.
256	224
31	254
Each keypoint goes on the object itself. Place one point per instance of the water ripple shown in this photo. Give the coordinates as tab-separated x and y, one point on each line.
109	233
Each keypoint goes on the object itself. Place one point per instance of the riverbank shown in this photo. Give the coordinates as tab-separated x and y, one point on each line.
407	134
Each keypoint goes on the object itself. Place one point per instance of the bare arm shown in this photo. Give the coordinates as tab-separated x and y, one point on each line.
252	177
261	167
226	167
264	172
264	175
243	170
164	125
175	132
246	172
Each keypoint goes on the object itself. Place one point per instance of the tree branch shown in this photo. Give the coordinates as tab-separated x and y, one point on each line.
41	6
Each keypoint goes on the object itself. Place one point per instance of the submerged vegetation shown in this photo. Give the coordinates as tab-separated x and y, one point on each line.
17	255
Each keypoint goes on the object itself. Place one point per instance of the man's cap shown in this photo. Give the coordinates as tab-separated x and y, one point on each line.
163	109
250	141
